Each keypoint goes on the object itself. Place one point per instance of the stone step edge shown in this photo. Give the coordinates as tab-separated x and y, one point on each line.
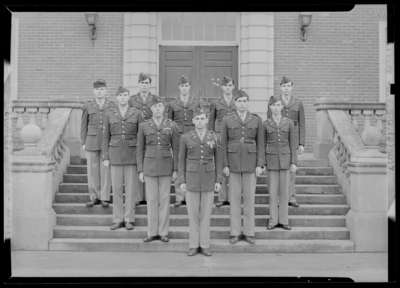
264	184
217	245
177	216
297	176
256	195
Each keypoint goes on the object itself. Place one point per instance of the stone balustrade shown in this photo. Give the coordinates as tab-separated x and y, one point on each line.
359	166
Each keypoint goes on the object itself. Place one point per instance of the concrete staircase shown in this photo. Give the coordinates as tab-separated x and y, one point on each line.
318	225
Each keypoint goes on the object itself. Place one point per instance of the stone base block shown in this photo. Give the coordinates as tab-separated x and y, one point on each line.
32	231
368	231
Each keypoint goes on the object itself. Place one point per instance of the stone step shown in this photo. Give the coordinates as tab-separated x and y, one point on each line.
303	161
301	171
217	245
259	198
216	220
260	209
182	232
260	188
315	179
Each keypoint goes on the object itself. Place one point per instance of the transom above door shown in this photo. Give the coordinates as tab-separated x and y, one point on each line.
203	65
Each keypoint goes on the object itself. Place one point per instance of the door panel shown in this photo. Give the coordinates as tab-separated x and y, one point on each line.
204	66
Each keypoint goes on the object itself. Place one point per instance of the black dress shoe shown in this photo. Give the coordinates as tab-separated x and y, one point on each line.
183	202
178	203
150	238
249	239
116	226
206	251
164	238
93	202
286	227
128	226
294	204
270	227
193	251
140	203
221	203
104	203
234	239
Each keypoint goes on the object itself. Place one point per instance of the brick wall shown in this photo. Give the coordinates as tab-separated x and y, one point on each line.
57	58
339	58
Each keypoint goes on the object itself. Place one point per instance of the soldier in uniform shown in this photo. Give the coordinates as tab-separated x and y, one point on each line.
181	112
200	174
157	161
142	101
293	109
281	155
244	159
119	151
99	177
218	110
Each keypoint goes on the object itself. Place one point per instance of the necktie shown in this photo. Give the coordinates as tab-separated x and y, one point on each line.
242	116
144	98
286	100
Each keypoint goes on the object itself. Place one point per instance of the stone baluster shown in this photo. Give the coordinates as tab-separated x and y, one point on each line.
340	152
336	141
20	122
32	112
342	159
56	157
354	114
371	135
367	116
45	114
379	114
59	149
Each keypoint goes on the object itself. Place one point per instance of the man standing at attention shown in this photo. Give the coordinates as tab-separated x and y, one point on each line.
218	110
142	101
99	177
157	162
119	151
200	174
293	109
243	160
181	112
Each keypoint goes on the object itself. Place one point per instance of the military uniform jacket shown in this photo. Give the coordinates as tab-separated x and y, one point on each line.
280	149
200	161
182	115
242	142
218	110
294	111
157	148
92	124
120	136
137	102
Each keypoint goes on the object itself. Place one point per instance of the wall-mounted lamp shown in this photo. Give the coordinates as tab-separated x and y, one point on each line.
91	19
305	20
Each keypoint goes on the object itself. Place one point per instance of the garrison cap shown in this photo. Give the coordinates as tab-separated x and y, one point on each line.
184	80
143	77
156	100
241	94
273	100
226	79
99	83
285	80
199	111
122	90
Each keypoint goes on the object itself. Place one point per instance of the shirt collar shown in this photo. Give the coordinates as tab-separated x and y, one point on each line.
144	95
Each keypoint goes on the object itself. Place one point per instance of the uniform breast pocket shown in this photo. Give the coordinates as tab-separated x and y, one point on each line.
114	125
166	135
178	115
132	126
150	137
233	131
252	131
220	113
271	135
190	112
295	114
92	115
193	151
284	134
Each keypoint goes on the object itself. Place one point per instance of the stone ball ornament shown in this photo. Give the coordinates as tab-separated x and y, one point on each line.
30	134
371	136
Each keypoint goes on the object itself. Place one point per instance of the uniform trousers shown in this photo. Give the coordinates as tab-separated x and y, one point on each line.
292	192
179	194
278	184
242	182
157	193
140	191
199	206
99	176
223	192
124	174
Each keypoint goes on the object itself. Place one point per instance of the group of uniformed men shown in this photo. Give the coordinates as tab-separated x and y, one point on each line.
135	141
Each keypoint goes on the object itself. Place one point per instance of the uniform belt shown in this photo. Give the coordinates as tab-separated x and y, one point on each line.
278	144
96	126
201	161
242	140
124	137
160	147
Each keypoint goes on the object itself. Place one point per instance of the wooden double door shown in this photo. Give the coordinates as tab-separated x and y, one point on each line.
203	65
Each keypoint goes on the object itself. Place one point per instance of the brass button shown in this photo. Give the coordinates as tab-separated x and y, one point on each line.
201	156
201	145
201	151
123	131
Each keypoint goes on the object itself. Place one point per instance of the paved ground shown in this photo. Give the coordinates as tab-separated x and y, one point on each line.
360	267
